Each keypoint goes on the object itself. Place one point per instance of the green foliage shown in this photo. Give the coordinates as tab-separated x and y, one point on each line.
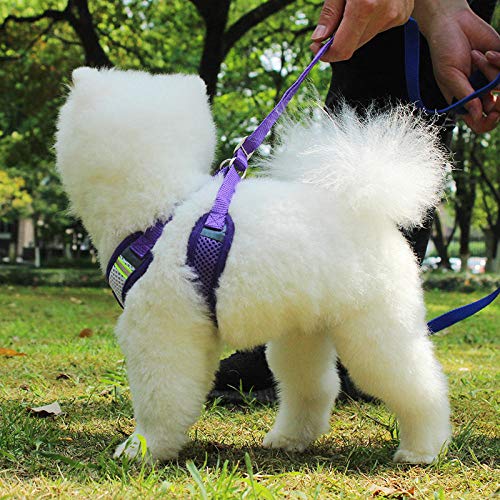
31	91
36	60
14	200
461	282
63	277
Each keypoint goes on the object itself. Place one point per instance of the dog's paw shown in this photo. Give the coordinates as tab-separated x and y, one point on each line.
134	448
412	457
140	449
276	440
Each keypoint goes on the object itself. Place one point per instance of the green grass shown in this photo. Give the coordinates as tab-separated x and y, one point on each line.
70	455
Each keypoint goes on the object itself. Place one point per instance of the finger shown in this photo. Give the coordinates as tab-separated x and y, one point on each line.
485	124
329	19
483	64
315	46
489	102
455	84
348	35
493	58
491	121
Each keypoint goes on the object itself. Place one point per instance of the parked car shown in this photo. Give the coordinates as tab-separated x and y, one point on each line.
475	265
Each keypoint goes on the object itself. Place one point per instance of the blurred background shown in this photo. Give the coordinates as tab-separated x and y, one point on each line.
248	52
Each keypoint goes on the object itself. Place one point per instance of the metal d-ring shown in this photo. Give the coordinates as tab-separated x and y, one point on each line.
228	162
240	146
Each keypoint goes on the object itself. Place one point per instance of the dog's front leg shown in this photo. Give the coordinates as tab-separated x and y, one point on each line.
171	360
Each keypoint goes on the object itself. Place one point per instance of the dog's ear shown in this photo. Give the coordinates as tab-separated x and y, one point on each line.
82	74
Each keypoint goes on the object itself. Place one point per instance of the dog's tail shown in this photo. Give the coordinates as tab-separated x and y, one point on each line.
387	164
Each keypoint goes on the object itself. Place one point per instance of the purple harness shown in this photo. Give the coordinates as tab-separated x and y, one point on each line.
211	238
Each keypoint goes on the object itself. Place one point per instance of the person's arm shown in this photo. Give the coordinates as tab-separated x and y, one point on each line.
458	40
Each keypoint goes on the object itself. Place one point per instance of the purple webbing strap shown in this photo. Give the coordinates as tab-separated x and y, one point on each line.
217	216
254	140
147	240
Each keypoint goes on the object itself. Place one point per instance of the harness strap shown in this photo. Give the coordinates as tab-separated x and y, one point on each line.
131	259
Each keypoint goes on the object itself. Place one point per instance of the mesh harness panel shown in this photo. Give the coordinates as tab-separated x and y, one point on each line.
206	254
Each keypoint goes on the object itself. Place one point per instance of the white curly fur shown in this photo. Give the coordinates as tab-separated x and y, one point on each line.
391	163
317	267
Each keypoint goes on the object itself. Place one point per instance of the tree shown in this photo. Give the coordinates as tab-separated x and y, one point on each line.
77	14
220	38
14	199
441	240
39	47
466	144
487	212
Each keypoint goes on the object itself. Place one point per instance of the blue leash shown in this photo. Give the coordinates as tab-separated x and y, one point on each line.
412	63
460	313
480	85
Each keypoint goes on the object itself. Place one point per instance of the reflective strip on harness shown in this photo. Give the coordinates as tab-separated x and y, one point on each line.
131	260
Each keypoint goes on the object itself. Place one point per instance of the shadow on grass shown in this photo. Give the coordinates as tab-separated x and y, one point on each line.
80	445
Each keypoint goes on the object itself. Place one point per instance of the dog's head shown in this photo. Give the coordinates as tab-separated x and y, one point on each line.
129	141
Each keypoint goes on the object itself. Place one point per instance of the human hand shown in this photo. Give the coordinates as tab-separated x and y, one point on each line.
489	65
356	22
457	39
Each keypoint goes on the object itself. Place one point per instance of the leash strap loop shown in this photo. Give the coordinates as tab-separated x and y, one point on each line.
412	63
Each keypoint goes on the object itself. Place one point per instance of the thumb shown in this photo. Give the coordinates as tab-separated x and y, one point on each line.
329	19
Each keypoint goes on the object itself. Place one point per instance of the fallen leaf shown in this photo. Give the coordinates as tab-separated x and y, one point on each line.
63	376
75	300
9	353
377	490
24	387
51	410
86	332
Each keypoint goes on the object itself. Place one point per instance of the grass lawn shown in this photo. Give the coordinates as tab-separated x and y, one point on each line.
70	455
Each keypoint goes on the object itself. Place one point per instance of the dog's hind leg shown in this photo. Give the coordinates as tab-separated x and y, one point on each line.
389	355
308	383
170	370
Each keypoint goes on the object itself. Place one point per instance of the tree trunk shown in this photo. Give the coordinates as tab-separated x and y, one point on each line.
80	18
439	242
466	182
492	237
215	19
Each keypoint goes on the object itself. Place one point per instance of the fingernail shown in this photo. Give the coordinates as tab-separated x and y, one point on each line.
491	54
318	32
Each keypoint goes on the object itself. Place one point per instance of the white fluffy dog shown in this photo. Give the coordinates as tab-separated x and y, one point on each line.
317	269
